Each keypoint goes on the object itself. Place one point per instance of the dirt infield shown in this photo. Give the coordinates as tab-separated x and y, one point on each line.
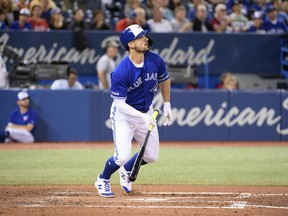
157	200
145	200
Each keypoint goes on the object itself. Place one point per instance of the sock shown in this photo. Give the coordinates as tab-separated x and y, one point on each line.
128	166
3	136
109	169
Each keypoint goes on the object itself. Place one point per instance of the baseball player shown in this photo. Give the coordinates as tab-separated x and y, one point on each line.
22	121
133	84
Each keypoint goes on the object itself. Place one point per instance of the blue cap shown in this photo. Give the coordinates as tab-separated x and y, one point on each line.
269	8
131	33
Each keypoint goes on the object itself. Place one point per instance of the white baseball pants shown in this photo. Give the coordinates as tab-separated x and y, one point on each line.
19	135
125	128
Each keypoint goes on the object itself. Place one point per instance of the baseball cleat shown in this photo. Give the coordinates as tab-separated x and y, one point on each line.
125	182
103	187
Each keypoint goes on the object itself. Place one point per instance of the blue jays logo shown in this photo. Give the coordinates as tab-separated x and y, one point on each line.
25	118
154	89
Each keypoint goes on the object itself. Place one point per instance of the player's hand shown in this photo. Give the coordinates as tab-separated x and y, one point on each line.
167	113
147	120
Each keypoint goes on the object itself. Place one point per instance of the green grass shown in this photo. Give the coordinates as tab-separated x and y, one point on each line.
186	165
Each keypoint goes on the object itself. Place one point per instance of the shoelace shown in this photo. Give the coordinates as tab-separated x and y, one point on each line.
107	186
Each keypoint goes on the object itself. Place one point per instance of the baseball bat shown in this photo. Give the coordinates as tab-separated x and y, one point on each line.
138	161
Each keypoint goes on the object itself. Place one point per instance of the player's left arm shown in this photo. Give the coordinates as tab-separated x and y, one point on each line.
165	91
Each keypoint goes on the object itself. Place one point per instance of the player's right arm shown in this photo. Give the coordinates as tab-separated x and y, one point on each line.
30	124
28	127
124	108
119	87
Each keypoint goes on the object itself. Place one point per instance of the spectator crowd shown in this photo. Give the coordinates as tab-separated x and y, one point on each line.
226	16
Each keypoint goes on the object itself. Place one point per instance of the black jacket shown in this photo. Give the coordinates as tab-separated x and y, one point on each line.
197	25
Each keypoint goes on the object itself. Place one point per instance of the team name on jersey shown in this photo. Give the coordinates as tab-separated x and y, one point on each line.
152	76
136	84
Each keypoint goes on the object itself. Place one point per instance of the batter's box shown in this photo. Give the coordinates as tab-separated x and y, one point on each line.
214	195
179	201
185	201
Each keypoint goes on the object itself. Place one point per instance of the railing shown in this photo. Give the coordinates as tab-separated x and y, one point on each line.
284	57
204	115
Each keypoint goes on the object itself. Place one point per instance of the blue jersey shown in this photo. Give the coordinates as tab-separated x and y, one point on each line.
16	26
277	27
138	85
18	118
3	25
253	28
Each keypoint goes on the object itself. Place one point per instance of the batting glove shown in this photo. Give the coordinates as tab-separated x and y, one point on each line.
147	120
167	113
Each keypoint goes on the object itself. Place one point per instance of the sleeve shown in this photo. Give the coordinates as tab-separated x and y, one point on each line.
12	26
29	26
125	108
32	118
79	85
11	117
119	84
56	85
163	73
285	28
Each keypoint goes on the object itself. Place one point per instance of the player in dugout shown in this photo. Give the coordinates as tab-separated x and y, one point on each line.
134	82
22	122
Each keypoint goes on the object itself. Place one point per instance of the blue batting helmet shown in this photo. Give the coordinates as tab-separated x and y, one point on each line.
131	33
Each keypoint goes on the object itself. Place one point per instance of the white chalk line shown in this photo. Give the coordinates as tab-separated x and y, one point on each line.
76	193
188	193
239	205
238	195
169	199
176	199
270	194
263	206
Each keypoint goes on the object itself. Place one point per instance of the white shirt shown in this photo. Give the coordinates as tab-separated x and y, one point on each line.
63	84
163	26
238	22
177	25
105	65
3	74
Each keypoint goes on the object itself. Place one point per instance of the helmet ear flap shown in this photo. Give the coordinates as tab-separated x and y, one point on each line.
150	41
